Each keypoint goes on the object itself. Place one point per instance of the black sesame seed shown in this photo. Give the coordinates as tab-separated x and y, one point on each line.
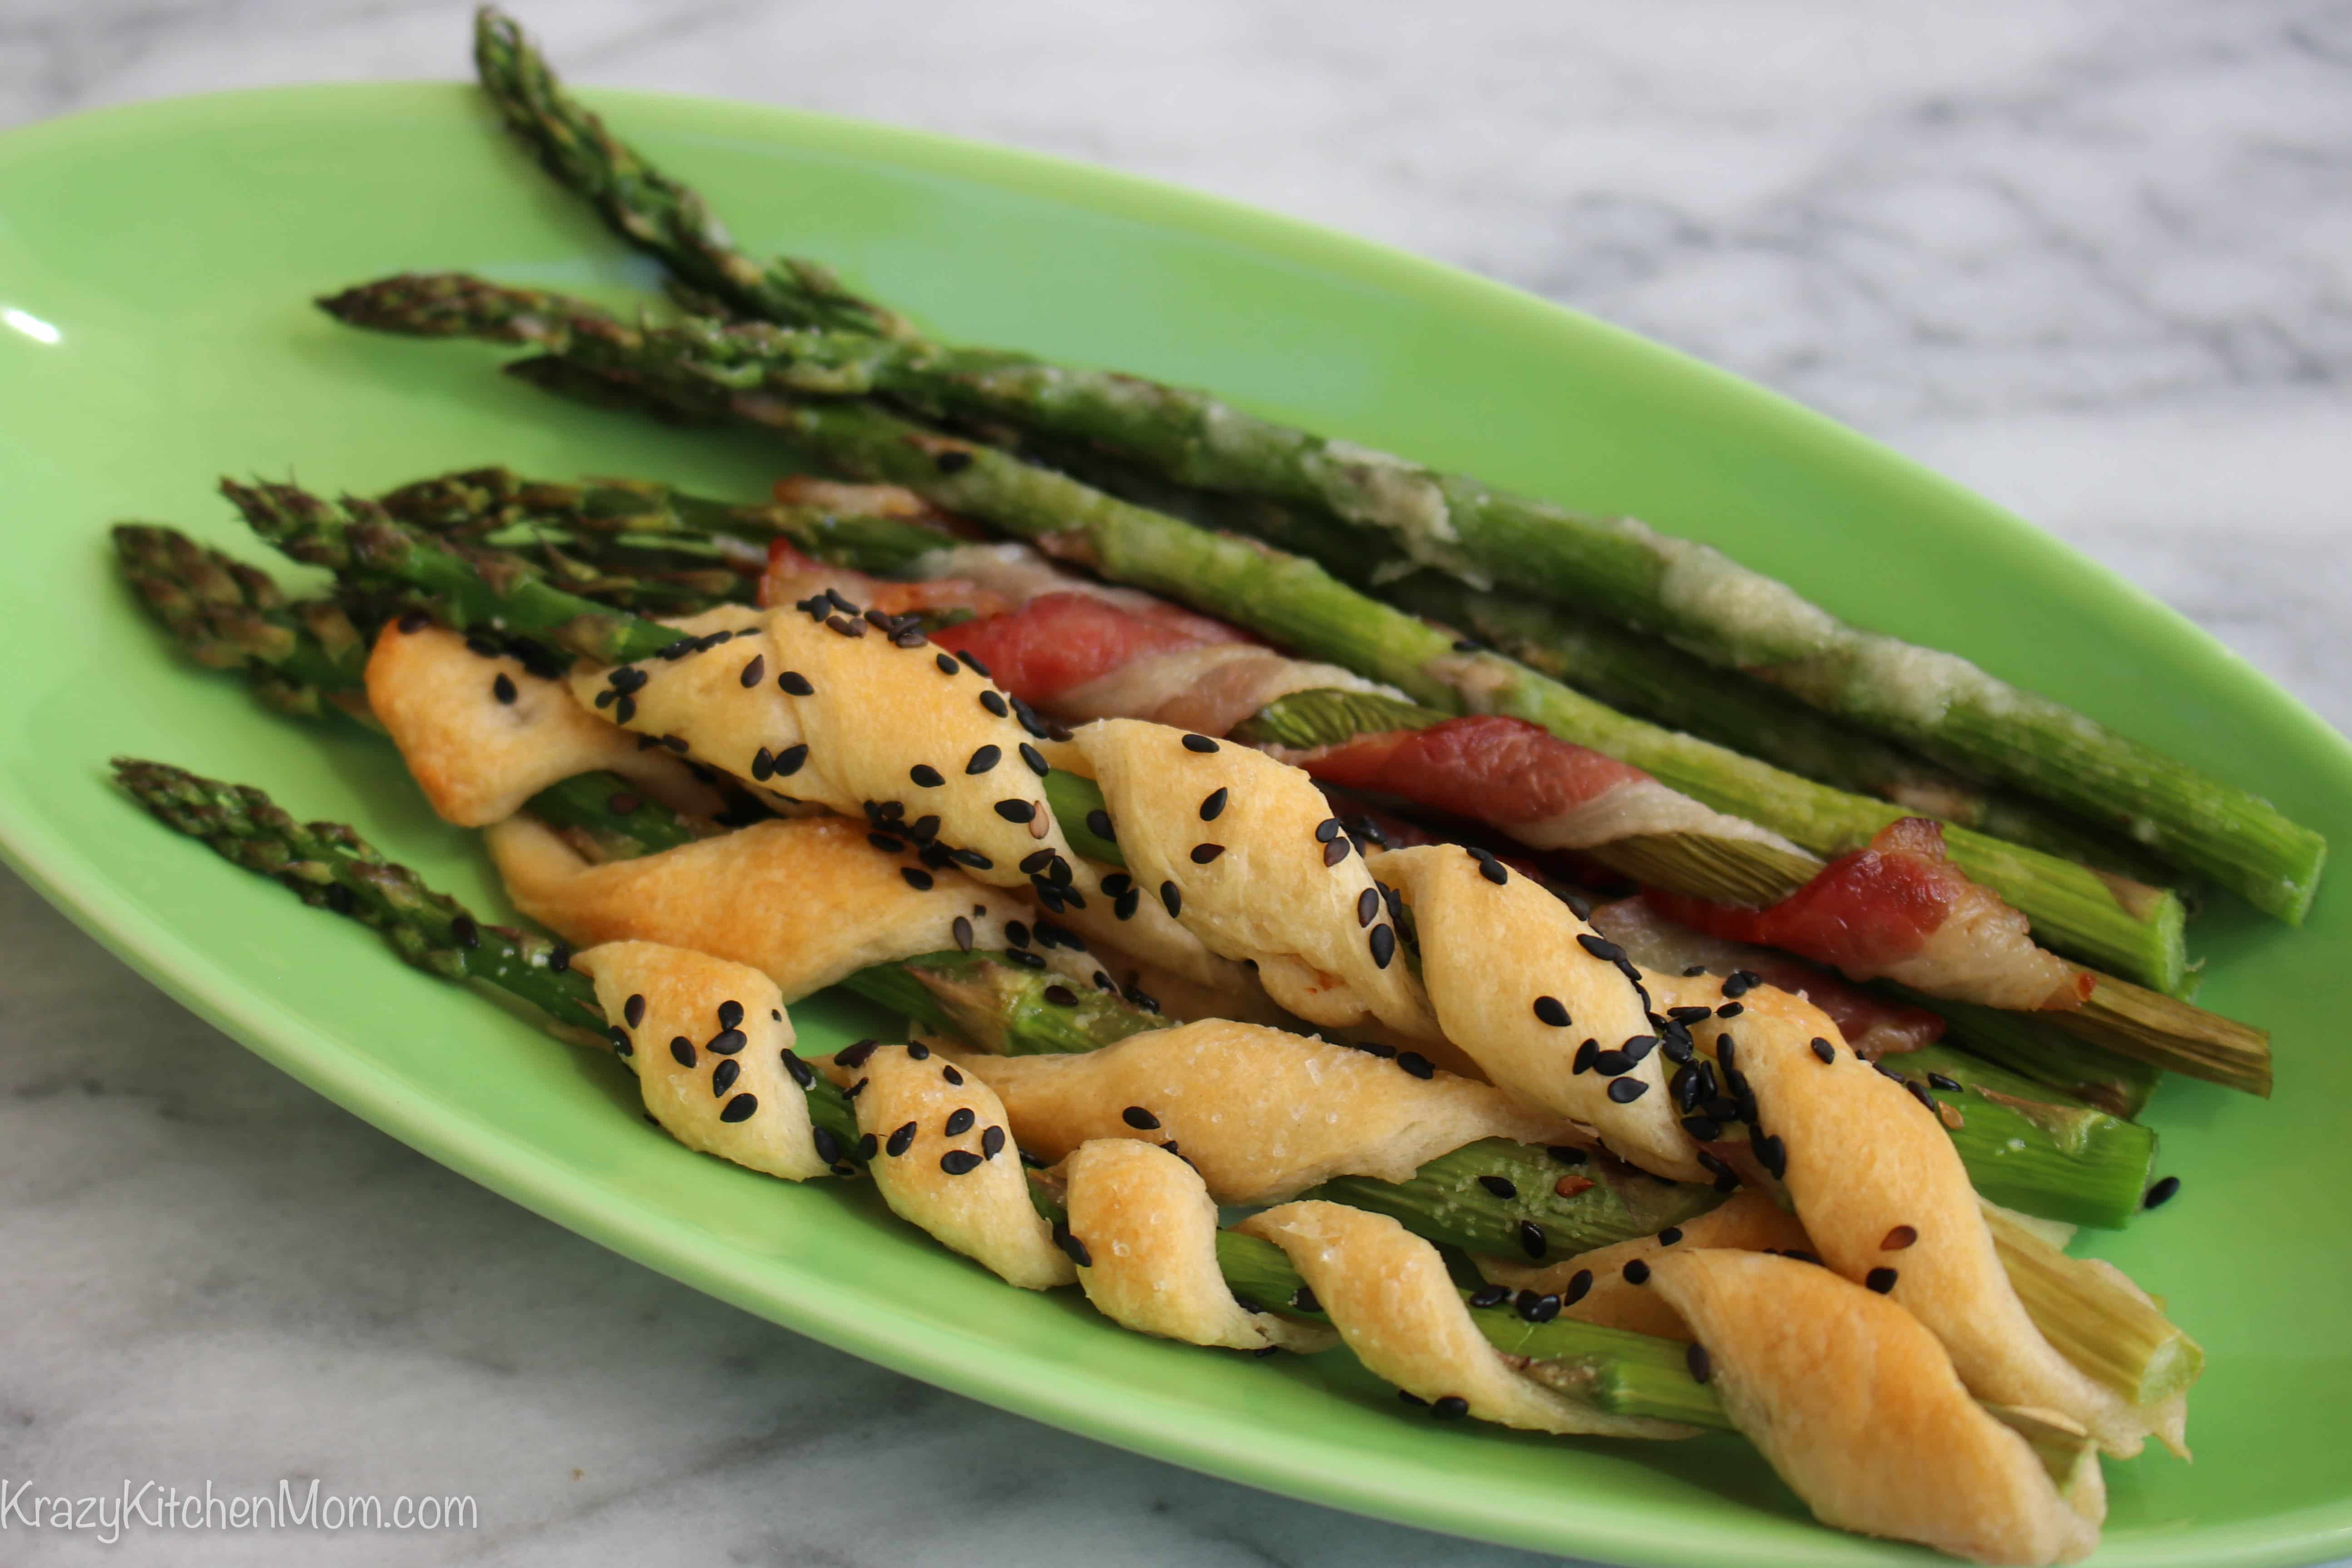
1730	1010
1567	1154
1410	1397
926	777
959	1162
952	1075
916	877
1626	1091
724	1076
828	1147
1383	941
1416	1064
1823	1049
853	1057
984	759
740	1108
464	933
1727	1053
1015	810
1201	744
725	1042
1072	1246
885	843
731	1013
1336	850
972	857
961	929
900	1142
1741	982
558	958
1016	933
855	1089
1490	1295
1671	1235
2161	1194
1205	853
846	627
924	828
1579	1285
1328	829
1918	1092
1770	1153
675	743
1449	1407
1600	947
1689	1015
992	1143
918	1052
803	1074
1948	1085
1024	960
754	672
1552	1010
1881	1280
1535	1307
624	712
1696	1359
1035	760
1501	1186
795	684
1142	1121
1061	997
1494	871
789	761
682	1049
633	1010
994	704
1639	1046
959	1121
1703	1129
1125	905
1585	1056
1532	1240
620	1039
1173	897
1637	1272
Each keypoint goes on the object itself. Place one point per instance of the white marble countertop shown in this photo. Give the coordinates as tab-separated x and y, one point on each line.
2094	258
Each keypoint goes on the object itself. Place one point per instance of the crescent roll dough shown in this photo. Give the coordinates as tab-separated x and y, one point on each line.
1517	991
480	749
964	1186
713	1084
1261	1113
1387	1293
806	900
1856	1405
901	728
1146	1231
1250	877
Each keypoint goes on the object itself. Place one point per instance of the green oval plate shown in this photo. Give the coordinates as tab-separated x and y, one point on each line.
154	268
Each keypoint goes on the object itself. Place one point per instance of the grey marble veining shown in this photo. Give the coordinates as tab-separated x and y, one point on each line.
2094	258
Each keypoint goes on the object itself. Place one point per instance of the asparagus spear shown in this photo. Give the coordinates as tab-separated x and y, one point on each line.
1699	599
302	658
648	208
491	503
1287	599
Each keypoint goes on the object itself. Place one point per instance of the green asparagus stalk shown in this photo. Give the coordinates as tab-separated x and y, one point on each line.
646	208
1694	596
304	658
2031	1046
483	503
1614	568
1289	600
2007	1124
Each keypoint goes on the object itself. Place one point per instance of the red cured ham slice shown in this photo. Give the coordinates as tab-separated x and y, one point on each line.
1503	770
1899	910
792	576
1057	641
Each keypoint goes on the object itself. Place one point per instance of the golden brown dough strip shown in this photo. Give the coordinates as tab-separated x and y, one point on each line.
706	1039
1517	990
1858	1408
481	734
806	900
1387	1293
1748	1221
944	1162
832	711
1261	1113
1145	1234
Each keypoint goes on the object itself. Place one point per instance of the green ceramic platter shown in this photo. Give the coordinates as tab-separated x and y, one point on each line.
154	268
